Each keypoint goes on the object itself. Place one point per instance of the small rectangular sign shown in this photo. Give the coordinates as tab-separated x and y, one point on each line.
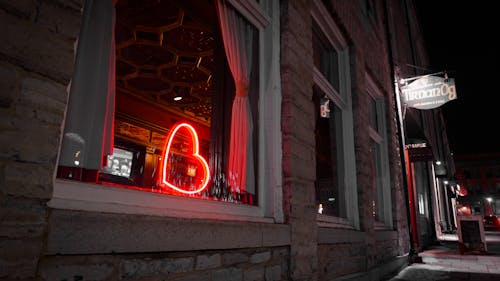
324	107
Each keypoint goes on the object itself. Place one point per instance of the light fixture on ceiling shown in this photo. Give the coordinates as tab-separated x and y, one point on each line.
179	93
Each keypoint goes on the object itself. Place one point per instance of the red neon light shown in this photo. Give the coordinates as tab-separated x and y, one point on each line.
181	168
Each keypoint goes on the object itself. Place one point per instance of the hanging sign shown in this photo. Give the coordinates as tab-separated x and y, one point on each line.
428	92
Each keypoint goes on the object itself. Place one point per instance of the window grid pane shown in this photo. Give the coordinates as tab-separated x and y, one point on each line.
326	58
329	192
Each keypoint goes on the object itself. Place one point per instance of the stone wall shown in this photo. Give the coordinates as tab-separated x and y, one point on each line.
36	64
238	265
370	252
298	145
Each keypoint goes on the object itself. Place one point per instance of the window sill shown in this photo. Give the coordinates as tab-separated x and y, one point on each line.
72	195
380	226
333	222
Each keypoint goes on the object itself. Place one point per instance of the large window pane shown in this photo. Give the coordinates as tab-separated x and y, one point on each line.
325	58
329	192
378	204
382	211
171	70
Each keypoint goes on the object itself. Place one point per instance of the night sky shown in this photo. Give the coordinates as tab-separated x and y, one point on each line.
461	39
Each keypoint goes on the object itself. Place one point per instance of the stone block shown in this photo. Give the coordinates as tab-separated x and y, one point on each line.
234	258
302	266
9	85
22	219
260	257
29	180
75	233
42	100
44	93
208	261
20	269
228	274
73	4
275	236
36	49
280	253
96	272
273	272
60	19
14	250
20	8
41	115
35	144
203	276
253	274
139	268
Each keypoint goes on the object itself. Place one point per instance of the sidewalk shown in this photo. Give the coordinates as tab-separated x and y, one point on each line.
444	262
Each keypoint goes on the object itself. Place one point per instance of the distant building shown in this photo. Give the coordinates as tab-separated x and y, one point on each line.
478	176
213	140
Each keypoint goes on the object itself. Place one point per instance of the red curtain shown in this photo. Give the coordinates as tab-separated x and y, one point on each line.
237	35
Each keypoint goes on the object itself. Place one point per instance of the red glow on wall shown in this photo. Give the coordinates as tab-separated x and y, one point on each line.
183	168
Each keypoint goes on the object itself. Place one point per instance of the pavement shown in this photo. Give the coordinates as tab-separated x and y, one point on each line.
444	262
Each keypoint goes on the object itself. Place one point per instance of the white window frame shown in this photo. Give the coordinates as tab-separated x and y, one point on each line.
342	100
74	195
379	136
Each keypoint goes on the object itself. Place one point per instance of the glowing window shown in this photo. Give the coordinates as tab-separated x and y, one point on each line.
171	68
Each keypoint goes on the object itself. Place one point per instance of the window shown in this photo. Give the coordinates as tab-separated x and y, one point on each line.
171	69
325	58
368	9
328	136
182	86
381	204
336	195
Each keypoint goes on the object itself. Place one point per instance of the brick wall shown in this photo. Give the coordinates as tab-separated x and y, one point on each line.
298	145
36	63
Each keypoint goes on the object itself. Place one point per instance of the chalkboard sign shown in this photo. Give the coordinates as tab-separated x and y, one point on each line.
470	231
471	234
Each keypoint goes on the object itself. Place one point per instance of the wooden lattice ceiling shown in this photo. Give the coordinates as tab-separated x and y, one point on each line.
165	49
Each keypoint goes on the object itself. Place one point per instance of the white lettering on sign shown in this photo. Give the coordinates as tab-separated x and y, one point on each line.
416	145
444	90
429	92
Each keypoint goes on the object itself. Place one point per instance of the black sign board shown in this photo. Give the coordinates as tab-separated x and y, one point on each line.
471	234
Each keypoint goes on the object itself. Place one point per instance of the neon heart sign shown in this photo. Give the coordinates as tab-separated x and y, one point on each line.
183	168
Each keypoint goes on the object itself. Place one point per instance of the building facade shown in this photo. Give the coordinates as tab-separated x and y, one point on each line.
208	140
428	159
